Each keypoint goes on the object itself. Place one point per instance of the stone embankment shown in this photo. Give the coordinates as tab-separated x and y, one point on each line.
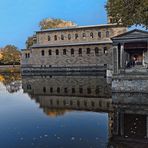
9	68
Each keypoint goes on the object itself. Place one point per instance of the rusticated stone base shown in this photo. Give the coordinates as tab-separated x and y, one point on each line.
92	70
129	84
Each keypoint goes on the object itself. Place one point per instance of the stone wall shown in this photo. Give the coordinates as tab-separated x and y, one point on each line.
96	47
131	84
79	34
92	59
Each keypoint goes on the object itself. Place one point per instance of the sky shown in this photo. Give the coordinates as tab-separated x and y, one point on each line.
20	18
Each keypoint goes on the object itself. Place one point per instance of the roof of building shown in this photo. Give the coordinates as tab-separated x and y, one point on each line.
133	34
79	27
71	44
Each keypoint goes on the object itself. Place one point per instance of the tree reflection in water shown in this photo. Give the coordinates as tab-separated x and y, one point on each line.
12	81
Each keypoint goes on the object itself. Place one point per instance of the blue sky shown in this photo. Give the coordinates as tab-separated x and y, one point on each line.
20	18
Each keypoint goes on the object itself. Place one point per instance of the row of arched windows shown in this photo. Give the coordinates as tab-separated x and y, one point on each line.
76	36
27	55
97	51
72	90
85	103
78	103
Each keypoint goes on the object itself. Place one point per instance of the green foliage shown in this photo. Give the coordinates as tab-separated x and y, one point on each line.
29	42
128	12
55	23
10	55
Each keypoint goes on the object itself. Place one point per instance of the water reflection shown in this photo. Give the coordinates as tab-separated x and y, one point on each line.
74	111
130	121
12	81
61	95
69	92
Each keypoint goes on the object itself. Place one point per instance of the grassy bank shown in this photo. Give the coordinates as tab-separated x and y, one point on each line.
9	68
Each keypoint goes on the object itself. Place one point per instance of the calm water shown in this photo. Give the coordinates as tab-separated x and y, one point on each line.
68	112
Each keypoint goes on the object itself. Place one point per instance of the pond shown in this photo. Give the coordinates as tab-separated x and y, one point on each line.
66	112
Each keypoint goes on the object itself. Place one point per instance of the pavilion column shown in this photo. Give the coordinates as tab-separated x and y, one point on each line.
115	60
121	124
122	63
147	127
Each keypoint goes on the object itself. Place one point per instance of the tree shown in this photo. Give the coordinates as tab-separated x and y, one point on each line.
30	41
128	12
10	55
55	23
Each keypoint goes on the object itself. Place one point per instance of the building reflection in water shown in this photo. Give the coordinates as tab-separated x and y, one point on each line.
130	122
57	95
127	113
69	92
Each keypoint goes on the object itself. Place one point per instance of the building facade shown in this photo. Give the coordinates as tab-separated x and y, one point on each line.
130	62
71	48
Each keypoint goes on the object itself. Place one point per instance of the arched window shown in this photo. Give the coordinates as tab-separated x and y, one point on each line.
97	51
107	34
80	90
55	37
42	52
88	50
97	90
49	52
65	90
78	103
85	103
71	103
44	89
58	90
64	51
28	86
57	52
62	37
28	55
99	34
51	89
48	38
89	90
80	51
73	90
100	103
69	36
105	50
72	51
92	104
91	35
84	35
76	36
64	102
51	102
108	104
58	102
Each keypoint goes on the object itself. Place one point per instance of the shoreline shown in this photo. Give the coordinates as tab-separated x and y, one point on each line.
10	68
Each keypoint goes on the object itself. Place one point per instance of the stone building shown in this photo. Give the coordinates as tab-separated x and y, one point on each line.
86	48
130	62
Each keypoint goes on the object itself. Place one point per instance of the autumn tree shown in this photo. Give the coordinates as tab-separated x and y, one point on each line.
10	55
128	12
55	23
47	24
30	41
